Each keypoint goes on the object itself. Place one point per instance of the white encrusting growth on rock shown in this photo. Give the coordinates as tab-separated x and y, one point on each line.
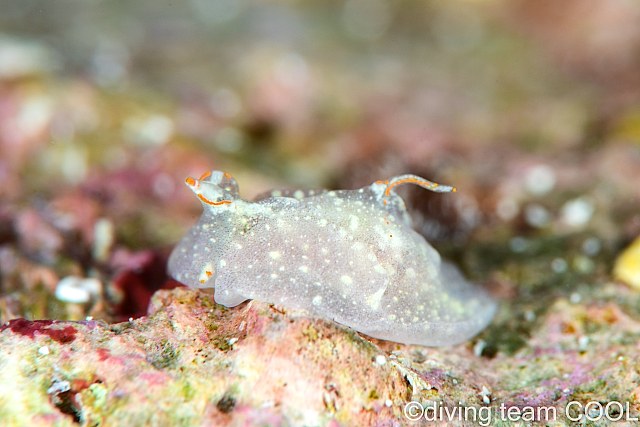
349	255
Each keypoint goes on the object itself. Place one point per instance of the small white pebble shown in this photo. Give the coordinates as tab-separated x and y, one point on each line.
59	387
540	179
44	350
582	342
485	393
620	358
479	347
566	390
88	318
577	212
232	341
78	290
381	360
388	403
575	298
130	319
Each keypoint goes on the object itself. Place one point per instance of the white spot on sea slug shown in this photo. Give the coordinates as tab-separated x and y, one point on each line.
346	280
375	298
275	255
353	222
303	268
317	300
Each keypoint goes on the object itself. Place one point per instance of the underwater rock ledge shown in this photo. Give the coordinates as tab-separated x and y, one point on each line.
193	362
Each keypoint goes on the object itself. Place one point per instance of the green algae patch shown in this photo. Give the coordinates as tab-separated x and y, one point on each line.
497	338
162	354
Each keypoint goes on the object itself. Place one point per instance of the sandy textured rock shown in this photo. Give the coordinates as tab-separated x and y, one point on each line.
192	362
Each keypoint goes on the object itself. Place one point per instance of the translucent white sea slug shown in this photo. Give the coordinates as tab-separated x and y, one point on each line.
351	256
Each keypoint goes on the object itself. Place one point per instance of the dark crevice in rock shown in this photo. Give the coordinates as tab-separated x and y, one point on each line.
66	403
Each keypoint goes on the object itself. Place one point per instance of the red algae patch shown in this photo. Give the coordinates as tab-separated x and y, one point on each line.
28	328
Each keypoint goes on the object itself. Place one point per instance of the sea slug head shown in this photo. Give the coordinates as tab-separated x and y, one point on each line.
190	262
217	191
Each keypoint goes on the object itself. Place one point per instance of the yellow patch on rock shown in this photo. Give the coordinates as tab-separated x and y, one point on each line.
627	265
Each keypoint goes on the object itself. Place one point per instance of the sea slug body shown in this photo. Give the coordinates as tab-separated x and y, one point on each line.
350	255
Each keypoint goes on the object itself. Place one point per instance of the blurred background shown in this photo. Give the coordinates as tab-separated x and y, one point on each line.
530	108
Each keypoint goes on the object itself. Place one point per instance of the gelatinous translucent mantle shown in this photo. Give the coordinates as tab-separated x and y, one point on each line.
350	255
